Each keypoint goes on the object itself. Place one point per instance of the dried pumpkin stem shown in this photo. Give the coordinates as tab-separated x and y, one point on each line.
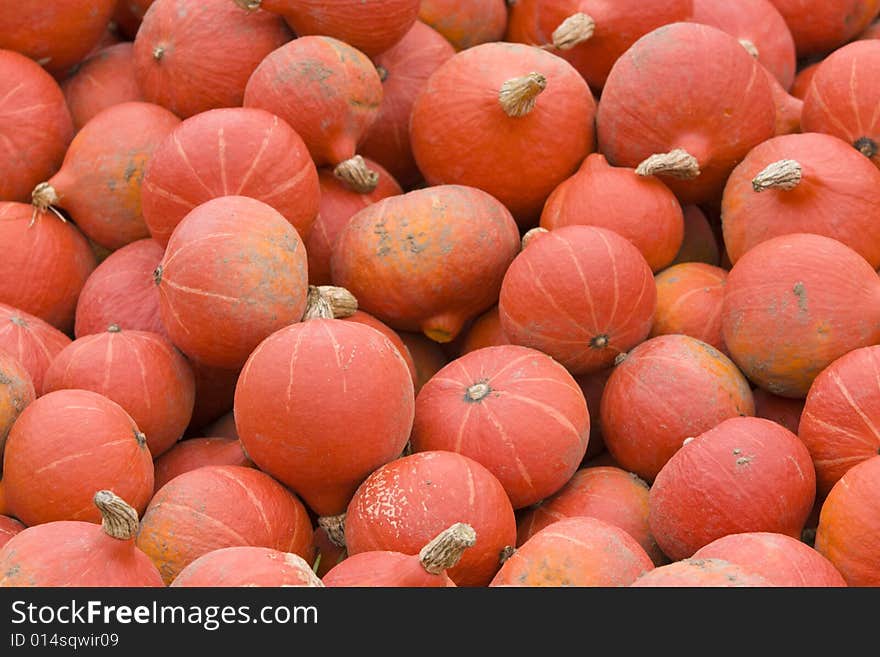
335	528
866	146
43	198
519	95
677	163
784	174
249	5
750	47
573	31
506	552
445	549
119	519
356	175
532	234
329	302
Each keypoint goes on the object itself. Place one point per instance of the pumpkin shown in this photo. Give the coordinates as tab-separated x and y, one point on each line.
843	96
81	554
56	35
338	204
780	559
16	392
428	260
803	79
105	79
593	385
325	553
9	527
781	410
30	341
385	568
234	271
99	183
689	300
591	34
219	506
190	58
224	152
485	331
67	445
699	243
841	415
871	32
702	573
361	317
47	268
140	371
215	390
576	551
848	533
795	303
746	474
580	294
641	209
222	427
402	505
466	23
700	129
195	453
35	123
428	356
506	118
128	16
247	566
329	92
819	27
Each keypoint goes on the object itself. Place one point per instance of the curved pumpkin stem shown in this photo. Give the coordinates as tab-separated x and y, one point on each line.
356	175
533	234
866	146
573	31
519	95
335	528
750	47
677	163
445	549
44	197
249	5
784	174
329	302
507	552
120	520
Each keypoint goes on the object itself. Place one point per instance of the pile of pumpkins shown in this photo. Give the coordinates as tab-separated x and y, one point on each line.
440	293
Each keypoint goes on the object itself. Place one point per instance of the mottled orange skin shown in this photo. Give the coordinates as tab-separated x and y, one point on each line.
428	260
195	453
466	23
56	34
218	506
215	389
699	243
692	573
327	91
9	527
46	265
849	525
689	300
31	341
485	331
231	151
793	305
65	447
16	392
593	385
246	566
208	51
384	568
339	204
819	26
665	81
365	318
576	551
781	410
803	79
428	356
35	124
234	271
99	183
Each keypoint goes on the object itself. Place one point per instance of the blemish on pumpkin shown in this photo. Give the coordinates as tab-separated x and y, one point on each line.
599	341
801	293
866	146
743	460
130	170
4	380
18	321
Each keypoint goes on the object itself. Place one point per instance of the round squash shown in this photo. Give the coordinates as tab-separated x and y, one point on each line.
428	356
16	392
247	565
819	26
694	573
485	331
699	243
689	300
9	527
128	16
593	386
781	410
466	23
215	390
30	341
803	79
195	453
360	317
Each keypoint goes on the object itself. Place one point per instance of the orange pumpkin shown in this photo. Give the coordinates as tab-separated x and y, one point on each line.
246	565
819	26
803	79
593	386
689	301
215	389
694	573
466	23
31	341
9	527
361	317
781	410
195	453
428	356
485	331
16	392
699	243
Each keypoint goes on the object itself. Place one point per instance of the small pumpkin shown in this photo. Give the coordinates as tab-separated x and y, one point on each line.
818	27
466	23
781	410
9	527
485	331
195	453
689	300
16	392
247	565
30	341
701	573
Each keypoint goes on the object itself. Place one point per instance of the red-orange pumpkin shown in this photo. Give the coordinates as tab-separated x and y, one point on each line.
218	506
35	123
196	453
745	475
795	303
781	410
66	446
192	57
689	300
485	331
31	341
803	79
700	129
509	119
580	294
224	152
693	573
234	271
9	527
215	390
16	392
77	553
871	32
361	317
576	551
45	265
222	427
819	26
247	566
428	260
128	16
99	183
849	525
788	108
466	23
403	505
843	96
593	385
699	243
325	554
428	356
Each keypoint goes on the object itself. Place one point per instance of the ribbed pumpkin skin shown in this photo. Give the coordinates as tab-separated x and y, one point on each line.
384	568
327	91
321	404
689	300
30	341
9	527
234	271
842	97
836	180
220	506
819	27
793	305
842	411
780	559
190	58
360	317
530	428
580	294
35	124
56	34
45	271
195	453
803	79
781	410
65	447
461	135
406	503
699	243
232	151
16	392
744	475
666	81
428	356
576	551
849	525
641	209
466	23
691	573
247	566
428	260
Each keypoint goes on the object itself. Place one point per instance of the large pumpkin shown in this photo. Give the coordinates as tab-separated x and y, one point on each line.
246	565
360	317
30	341
701	573
466	23
16	392
819	26
195	453
689	301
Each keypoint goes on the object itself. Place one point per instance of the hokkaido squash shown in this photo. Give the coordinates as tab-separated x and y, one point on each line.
466	23
485	331
128	16
325	553
9	527
360	317
428	356
224	152
16	392
701	573
247	566
699	243
506	118
215	390
781	410
30	341
593	386
222	427
803	79
818	27
195	453
689	300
